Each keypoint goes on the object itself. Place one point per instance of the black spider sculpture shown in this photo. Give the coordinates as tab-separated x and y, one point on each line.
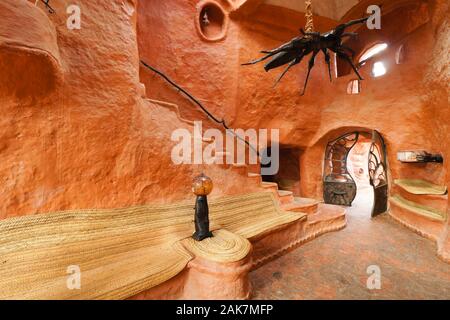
294	51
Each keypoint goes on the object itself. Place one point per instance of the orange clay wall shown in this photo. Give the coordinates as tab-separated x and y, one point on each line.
408	106
75	131
437	79
397	104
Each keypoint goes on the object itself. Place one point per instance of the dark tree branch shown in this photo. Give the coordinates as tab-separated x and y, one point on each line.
199	104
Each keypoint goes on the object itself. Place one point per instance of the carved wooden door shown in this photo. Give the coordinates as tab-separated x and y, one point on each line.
339	188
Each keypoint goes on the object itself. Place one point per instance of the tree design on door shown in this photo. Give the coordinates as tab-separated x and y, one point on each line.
339	186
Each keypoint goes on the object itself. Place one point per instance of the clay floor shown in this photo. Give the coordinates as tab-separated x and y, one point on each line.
334	265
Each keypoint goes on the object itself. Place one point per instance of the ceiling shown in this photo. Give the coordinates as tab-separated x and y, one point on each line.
333	9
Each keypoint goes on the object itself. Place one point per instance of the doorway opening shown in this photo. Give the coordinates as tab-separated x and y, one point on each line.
355	172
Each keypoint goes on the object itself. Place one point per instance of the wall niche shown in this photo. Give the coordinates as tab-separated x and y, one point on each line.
211	21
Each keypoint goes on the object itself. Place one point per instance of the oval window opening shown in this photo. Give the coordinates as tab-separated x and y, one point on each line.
378	69
354	87
372	51
212	22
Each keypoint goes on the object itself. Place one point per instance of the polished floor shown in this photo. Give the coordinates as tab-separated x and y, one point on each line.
335	265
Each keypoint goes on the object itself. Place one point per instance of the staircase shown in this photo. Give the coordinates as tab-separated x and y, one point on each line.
321	218
420	205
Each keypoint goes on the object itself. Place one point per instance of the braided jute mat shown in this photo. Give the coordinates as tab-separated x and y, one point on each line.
121	252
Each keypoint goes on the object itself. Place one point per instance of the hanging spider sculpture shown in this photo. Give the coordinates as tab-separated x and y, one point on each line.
294	51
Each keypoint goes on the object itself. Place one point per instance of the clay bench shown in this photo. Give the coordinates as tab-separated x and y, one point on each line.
124	252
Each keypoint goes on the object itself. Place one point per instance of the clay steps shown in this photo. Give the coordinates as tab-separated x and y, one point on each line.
326	214
173	107
285	196
304	205
418	209
421	187
255	168
438	202
426	227
255	176
241	168
271	186
328	218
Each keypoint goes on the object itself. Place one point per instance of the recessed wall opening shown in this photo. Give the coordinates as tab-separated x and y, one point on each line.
378	69
288	176
400	54
212	21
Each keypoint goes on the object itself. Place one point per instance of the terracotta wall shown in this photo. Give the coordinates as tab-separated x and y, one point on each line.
169	40
63	150
437	80
93	141
397	105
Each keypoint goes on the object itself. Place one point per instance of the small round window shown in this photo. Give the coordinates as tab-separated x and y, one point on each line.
212	21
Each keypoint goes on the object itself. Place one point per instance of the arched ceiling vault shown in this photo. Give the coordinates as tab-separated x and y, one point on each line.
333	9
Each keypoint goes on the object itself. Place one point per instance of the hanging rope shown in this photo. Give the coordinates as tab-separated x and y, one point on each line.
200	105
309	17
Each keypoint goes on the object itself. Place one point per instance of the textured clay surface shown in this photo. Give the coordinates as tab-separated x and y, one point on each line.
334	266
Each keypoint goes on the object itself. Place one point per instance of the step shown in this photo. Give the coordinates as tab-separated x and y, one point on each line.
428	228
241	168
255	168
255	176
285	196
327	218
305	205
421	187
438	202
270	185
424	211
326	213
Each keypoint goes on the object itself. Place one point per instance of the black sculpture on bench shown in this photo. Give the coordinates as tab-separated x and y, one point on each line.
202	186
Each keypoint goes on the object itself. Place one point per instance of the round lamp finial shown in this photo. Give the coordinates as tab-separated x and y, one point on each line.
202	185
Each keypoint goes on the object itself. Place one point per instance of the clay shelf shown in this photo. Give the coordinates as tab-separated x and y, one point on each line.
123	252
420	187
418	209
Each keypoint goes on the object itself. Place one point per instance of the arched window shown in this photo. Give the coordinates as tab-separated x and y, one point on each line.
378	69
354	87
371	52
400	54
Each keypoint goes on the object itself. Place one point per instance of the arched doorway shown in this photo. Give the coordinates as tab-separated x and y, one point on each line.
342	172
